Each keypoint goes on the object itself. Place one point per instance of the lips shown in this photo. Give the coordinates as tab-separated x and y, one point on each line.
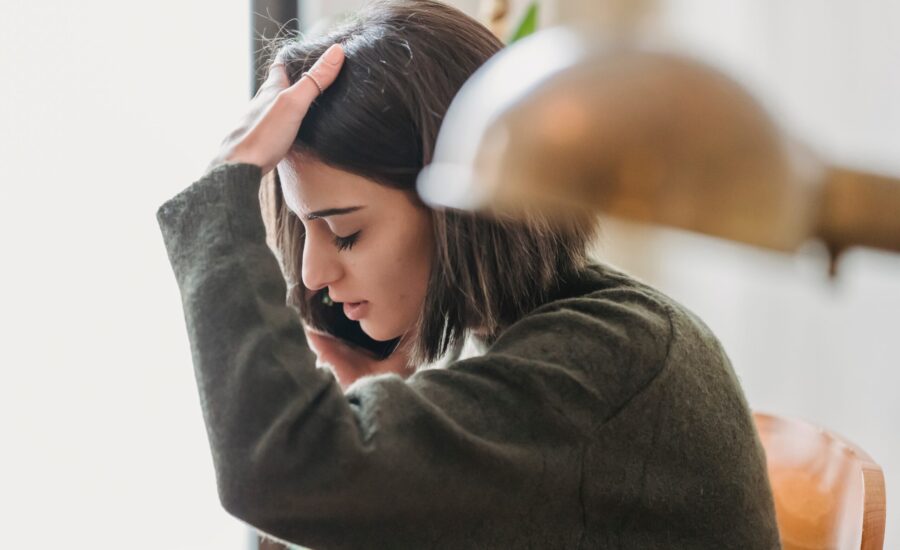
355	310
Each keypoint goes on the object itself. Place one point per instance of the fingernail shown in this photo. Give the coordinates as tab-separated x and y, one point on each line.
333	54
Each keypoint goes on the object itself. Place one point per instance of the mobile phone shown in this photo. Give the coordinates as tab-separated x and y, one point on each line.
328	317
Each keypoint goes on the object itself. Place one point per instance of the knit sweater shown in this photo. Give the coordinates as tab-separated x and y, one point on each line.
609	417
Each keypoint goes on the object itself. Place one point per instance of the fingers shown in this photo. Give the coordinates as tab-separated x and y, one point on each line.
292	103
277	109
323	72
276	81
278	75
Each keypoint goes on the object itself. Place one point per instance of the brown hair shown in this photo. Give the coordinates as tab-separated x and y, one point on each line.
405	60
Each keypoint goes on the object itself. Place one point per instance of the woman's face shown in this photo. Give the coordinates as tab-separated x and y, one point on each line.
371	245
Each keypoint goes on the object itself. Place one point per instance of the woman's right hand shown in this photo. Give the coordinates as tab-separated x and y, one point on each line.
265	134
349	364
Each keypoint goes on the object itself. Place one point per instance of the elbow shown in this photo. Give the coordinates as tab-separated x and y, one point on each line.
262	507
241	499
232	500
257	502
247	485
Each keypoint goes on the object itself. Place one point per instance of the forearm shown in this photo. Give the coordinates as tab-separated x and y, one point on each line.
416	463
249	352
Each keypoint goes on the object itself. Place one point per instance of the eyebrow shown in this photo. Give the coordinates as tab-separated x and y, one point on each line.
332	212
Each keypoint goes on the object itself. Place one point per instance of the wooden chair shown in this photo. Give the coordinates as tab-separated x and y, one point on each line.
828	492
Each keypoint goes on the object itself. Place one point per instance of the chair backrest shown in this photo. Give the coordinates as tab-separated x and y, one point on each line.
828	492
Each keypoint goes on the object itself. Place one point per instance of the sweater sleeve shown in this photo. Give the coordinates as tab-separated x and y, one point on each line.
488	448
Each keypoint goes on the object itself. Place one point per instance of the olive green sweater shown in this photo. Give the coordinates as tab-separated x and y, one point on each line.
609	417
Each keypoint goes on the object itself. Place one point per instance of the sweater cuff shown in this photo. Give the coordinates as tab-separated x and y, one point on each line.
222	205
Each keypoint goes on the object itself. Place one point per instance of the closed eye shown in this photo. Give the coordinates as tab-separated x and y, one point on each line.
346	243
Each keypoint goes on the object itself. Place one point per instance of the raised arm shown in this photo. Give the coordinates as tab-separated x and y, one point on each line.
489	452
490	447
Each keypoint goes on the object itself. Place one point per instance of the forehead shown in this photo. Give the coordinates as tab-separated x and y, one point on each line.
309	185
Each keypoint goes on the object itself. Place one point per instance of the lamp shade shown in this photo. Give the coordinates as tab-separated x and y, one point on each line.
566	121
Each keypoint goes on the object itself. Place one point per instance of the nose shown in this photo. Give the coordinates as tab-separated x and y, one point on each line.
321	266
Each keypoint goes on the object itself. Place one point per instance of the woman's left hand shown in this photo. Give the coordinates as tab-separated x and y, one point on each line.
349	365
265	134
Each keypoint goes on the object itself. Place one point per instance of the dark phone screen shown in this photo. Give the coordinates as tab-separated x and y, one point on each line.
328	317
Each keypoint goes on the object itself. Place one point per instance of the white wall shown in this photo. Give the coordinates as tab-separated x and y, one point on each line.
106	110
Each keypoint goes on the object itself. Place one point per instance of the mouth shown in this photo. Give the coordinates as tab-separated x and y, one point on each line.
355	310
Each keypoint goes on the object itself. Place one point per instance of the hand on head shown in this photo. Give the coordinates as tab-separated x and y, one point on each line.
265	134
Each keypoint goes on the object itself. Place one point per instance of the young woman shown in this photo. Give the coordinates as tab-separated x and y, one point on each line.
600	414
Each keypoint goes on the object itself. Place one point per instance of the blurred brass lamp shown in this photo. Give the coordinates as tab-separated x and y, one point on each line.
565	121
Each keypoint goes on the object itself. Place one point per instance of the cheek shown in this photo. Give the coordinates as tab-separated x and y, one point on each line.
413	261
398	276
403	284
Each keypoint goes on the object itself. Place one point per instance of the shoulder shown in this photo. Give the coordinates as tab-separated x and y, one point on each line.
585	354
604	323
604	340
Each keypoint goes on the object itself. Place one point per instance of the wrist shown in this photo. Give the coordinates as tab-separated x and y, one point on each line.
232	159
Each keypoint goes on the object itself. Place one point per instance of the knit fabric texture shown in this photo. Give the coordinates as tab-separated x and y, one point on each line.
609	417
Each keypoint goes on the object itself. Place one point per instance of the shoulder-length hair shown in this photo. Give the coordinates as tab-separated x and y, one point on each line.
404	62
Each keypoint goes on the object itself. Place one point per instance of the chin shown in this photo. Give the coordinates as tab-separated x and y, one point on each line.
377	332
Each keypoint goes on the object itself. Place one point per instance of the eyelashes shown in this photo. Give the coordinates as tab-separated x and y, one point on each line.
346	243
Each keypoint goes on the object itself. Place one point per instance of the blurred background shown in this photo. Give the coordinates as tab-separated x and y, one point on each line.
108	109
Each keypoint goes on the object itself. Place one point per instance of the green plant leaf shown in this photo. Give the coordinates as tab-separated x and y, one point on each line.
528	25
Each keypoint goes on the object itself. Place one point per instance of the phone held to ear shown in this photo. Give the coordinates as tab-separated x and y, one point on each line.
328	317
